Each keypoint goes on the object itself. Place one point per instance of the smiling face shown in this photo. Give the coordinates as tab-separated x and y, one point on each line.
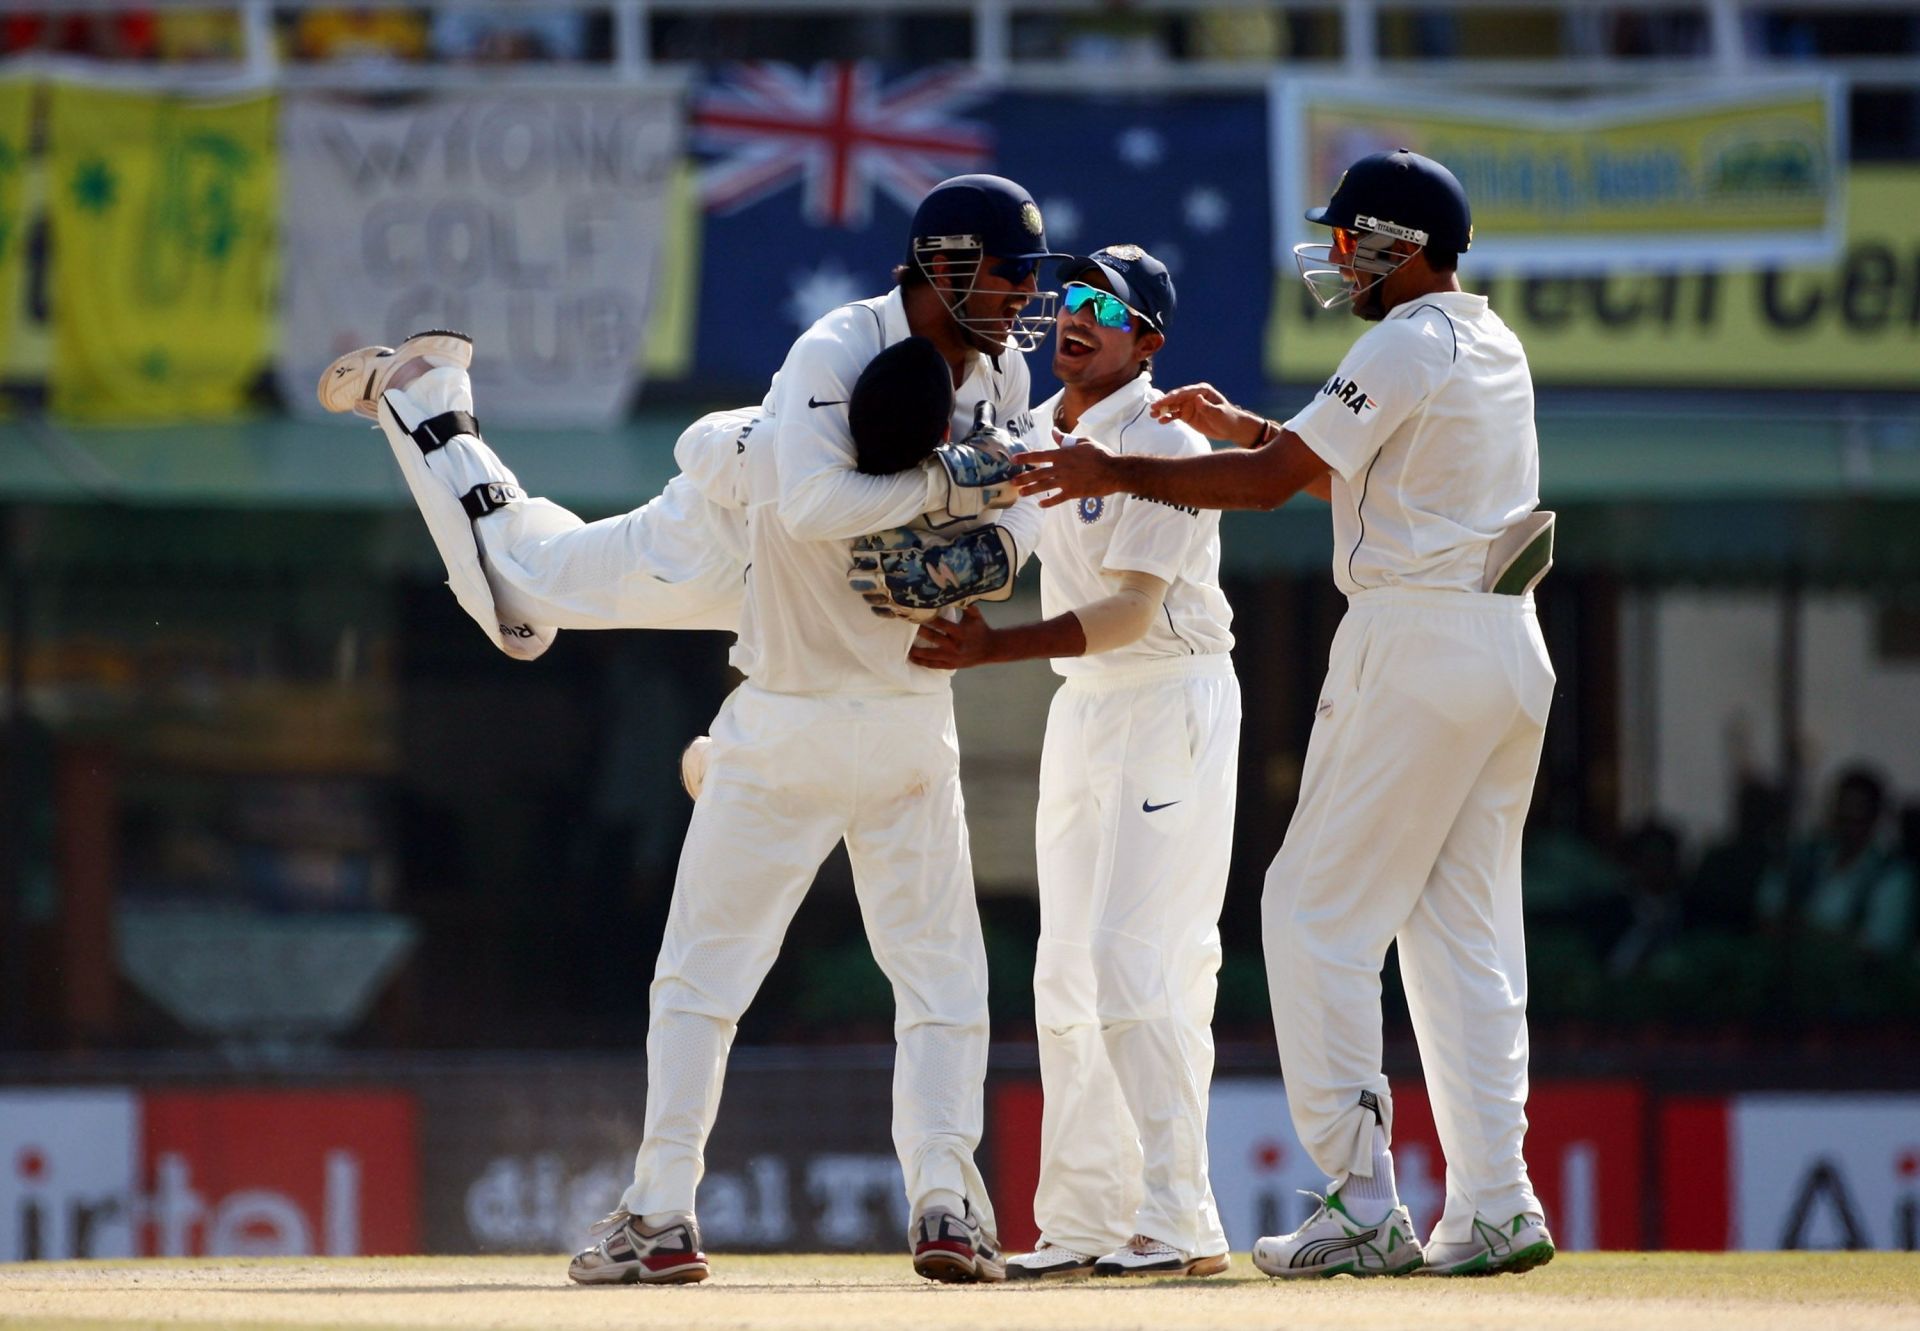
985	298
996	301
1090	356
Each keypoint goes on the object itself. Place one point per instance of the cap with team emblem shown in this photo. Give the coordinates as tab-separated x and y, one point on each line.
1402	195
988	213
1133	275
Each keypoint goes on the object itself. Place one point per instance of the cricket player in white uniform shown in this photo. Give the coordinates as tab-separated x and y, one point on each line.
836	735
524	567
1135	820
1428	730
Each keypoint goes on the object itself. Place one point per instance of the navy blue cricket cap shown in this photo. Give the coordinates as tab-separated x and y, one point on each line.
1132	274
901	407
1403	195
1000	214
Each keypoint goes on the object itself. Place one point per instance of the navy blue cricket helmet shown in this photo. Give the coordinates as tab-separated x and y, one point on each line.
968	217
1383	197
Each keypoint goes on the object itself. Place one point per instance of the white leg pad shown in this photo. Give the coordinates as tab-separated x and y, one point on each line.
447	521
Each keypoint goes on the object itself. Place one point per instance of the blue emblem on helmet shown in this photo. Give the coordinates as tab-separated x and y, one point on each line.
1091	509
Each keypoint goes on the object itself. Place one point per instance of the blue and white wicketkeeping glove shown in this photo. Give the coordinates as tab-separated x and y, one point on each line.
909	574
974	474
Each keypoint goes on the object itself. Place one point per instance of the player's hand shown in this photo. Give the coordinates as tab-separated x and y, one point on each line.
947	644
1075	469
1207	410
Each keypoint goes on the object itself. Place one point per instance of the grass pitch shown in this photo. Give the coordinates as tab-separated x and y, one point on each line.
1601	1291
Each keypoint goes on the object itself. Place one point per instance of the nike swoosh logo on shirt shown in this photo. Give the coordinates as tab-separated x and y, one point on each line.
1147	806
837	402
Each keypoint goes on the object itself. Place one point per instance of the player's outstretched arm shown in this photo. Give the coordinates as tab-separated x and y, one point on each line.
1101	626
1261	477
1207	410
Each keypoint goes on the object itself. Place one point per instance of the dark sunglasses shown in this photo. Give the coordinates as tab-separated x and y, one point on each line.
1015	271
1109	311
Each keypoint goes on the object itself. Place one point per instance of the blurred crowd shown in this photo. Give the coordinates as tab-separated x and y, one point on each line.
385	41
1115	33
356	35
1816	932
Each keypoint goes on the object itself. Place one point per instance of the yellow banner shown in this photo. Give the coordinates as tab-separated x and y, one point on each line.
16	131
668	353
1752	172
163	212
1850	323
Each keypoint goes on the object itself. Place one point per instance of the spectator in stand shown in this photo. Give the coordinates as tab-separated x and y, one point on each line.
127	35
186	36
360	34
1910	855
1653	896
1726	884
1846	883
505	36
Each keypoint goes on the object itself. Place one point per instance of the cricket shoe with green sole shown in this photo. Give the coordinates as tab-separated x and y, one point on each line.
1520	1244
1334	1243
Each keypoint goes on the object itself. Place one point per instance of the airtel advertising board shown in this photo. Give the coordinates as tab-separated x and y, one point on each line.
116	1173
1793	1171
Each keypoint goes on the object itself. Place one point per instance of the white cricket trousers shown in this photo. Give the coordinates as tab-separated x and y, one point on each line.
787	777
1134	831
1418	777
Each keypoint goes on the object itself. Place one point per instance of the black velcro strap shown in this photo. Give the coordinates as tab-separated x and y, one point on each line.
436	431
485	497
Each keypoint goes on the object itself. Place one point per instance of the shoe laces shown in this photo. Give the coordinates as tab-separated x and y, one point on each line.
608	1223
1142	1246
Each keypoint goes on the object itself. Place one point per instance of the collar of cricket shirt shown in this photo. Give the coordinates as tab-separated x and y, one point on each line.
1105	419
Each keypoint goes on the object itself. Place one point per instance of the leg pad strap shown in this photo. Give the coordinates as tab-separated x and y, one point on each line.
487	496
437	431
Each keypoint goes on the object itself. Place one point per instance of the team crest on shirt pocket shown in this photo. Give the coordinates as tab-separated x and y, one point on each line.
1091	509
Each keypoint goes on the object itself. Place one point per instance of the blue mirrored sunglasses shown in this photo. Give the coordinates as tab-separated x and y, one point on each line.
1015	271
1109	311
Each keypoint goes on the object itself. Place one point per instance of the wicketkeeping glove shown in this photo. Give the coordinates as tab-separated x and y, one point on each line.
975	474
908	574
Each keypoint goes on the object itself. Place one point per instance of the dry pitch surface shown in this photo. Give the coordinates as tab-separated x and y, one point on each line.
1604	1291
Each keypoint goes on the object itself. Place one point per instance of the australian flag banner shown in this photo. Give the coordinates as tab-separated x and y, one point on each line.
809	177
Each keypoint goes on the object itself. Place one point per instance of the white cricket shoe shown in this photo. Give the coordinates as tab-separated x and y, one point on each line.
1333	1243
1049	1261
693	765
1145	1256
355	381
623	1251
1521	1244
954	1249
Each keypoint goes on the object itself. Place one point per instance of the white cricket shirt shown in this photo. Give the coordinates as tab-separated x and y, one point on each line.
1086	545
803	629
1428	427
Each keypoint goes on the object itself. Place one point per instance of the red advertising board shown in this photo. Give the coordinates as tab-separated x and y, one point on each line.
1694	1165
274	1173
1586	1153
1771	1171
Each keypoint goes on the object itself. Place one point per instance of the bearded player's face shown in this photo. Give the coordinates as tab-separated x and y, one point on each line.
994	302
